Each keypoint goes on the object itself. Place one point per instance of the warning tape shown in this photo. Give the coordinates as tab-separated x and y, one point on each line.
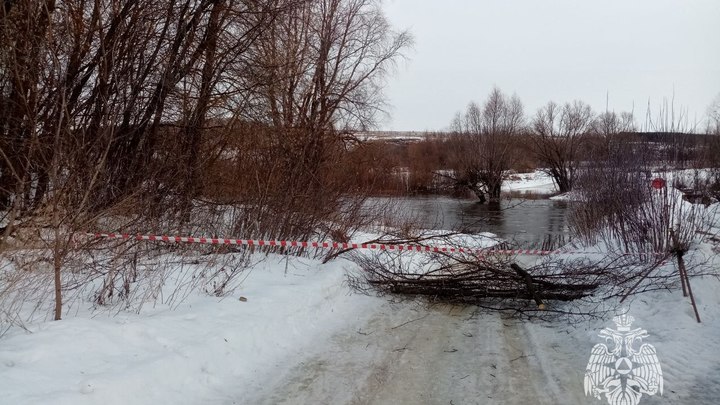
344	245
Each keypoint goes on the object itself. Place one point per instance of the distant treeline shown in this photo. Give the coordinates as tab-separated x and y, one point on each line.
427	163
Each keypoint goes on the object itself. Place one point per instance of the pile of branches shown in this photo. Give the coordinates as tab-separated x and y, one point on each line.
498	282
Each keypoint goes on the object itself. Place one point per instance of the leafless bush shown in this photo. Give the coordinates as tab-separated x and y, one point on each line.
619	207
135	275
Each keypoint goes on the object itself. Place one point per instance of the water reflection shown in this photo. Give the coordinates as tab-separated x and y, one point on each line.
530	223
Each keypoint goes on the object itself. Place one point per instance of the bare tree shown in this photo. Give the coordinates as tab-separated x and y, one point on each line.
484	143
120	114
610	131
713	119
317	76
711	150
322	65
559	135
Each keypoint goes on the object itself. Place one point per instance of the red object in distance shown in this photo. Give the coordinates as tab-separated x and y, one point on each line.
658	183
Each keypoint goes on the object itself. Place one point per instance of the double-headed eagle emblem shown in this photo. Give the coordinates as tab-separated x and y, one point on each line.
626	371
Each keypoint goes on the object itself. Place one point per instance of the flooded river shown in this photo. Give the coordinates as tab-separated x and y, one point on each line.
529	223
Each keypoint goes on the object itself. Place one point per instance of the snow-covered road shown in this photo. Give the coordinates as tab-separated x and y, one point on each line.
407	353
412	354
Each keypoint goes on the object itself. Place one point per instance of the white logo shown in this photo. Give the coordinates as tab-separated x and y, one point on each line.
626	371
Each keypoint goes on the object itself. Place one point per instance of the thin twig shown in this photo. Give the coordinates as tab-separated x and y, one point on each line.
413	320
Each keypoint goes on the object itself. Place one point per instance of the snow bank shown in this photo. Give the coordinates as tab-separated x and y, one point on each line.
537	182
208	350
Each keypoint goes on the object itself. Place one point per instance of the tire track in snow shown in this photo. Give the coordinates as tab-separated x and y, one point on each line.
689	377
442	354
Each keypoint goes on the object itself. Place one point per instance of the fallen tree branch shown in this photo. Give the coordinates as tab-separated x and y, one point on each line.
529	282
497	282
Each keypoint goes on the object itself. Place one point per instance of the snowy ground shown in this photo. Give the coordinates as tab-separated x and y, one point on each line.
208	350
301	336
536	182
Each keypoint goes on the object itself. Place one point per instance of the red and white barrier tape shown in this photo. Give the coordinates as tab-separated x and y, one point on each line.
343	245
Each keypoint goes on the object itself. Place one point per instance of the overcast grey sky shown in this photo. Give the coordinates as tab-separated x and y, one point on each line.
560	50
